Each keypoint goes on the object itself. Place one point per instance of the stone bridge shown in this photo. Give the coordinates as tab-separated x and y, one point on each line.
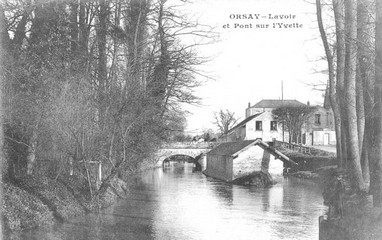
191	149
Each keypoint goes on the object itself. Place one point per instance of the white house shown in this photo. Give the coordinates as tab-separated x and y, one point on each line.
260	123
262	126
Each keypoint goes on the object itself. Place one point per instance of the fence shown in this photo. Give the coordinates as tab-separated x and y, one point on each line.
292	146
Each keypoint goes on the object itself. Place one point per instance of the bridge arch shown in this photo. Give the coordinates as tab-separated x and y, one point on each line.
166	153
191	149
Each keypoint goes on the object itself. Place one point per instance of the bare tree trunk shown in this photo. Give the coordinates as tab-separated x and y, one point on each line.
161	70
108	180
350	89
102	60
339	15
364	77
332	86
377	160
136	28
73	27
83	35
360	109
113	73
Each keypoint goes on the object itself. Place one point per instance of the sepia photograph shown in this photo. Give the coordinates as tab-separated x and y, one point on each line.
191	119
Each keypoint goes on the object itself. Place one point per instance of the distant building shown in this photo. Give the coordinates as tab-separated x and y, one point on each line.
231	160
261	123
268	105
319	127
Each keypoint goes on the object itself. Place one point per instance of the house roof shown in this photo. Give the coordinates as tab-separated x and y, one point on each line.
244	122
230	148
274	103
235	148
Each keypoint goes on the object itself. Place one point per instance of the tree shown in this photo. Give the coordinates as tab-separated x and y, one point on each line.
365	81
293	118
224	120
356	90
350	92
376	165
95	81
334	97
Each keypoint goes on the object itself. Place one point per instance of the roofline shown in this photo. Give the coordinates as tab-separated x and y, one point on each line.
275	100
278	153
266	147
241	123
246	147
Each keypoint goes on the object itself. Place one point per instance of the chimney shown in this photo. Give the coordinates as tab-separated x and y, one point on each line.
308	103
249	104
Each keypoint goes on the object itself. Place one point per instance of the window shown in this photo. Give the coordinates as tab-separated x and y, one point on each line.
259	125
273	125
317	119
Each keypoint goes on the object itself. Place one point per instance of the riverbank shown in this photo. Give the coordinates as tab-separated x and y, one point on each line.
351	215
317	176
361	224
34	200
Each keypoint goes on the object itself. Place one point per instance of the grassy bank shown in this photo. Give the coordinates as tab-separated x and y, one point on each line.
314	166
35	200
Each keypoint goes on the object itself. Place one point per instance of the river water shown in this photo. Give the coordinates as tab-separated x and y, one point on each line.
177	203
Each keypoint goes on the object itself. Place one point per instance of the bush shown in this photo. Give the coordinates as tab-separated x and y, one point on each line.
54	194
309	162
22	210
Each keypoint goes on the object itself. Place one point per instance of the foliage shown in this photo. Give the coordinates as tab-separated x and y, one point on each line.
21	210
94	82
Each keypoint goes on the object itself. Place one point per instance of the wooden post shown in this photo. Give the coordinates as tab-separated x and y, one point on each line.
100	171
71	171
265	161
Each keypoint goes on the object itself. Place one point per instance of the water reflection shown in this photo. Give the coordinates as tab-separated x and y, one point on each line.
176	203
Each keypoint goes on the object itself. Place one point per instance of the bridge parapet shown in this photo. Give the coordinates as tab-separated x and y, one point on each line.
190	145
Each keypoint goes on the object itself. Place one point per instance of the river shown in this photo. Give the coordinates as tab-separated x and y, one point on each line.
177	203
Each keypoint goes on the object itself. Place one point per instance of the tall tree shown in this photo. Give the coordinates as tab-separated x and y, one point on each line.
365	81
333	96
103	14
339	16
376	177
353	154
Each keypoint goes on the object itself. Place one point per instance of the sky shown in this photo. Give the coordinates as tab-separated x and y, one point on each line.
249	63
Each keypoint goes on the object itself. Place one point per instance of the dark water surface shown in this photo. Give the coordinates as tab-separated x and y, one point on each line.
178	204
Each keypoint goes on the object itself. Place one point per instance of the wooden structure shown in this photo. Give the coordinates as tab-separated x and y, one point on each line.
231	160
